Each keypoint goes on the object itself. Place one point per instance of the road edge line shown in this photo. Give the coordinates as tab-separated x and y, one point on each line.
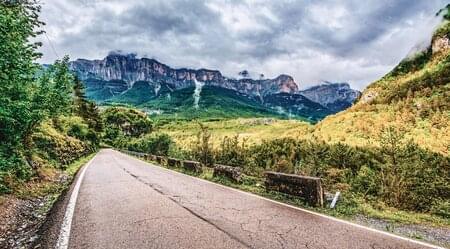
297	208
64	232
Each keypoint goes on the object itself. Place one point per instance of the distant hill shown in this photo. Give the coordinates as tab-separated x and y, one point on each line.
414	97
144	82
334	96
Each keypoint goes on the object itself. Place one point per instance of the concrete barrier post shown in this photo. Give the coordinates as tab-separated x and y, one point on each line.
172	162
233	173
309	188
193	166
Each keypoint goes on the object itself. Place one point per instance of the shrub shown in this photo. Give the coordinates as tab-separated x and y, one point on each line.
55	146
12	168
281	152
130	122
202	149
398	173
156	144
441	208
232	152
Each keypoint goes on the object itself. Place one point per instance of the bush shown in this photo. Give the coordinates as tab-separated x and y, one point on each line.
202	149
232	152
441	208
156	144
79	130
281	152
12	168
129	122
399	173
56	146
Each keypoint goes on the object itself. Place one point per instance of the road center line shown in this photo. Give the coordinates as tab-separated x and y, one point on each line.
64	234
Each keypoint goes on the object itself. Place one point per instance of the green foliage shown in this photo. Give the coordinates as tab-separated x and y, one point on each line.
155	144
123	122
444	29
57	147
279	152
17	71
202	149
397	174
88	110
408	65
441	208
32	100
232	152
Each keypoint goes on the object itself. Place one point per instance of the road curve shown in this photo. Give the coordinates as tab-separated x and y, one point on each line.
126	203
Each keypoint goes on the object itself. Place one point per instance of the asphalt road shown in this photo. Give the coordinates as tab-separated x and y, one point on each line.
126	203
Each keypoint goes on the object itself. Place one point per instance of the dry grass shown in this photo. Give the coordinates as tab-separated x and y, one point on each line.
254	130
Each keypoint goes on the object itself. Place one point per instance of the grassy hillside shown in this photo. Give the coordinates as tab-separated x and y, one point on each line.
141	92
214	102
414	98
253	130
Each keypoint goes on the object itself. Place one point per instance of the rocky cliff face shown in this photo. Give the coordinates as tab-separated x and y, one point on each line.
148	83
129	69
334	96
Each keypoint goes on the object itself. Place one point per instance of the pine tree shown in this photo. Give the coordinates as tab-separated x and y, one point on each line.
80	100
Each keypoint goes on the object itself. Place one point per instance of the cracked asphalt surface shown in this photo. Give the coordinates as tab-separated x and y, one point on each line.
126	203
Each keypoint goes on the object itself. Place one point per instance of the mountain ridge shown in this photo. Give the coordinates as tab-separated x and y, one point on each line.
131	69
124	78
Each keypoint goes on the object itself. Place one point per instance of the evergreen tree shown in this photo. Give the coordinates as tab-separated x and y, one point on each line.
80	100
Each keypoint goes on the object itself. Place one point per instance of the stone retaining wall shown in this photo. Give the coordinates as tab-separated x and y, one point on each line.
306	187
234	173
160	160
173	162
193	166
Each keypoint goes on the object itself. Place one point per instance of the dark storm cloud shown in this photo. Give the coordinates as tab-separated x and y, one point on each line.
354	41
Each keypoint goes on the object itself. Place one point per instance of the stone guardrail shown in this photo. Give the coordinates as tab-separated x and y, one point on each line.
306	187
160	159
234	173
169	161
193	166
173	162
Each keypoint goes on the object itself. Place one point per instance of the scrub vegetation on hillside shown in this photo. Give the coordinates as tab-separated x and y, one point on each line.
414	97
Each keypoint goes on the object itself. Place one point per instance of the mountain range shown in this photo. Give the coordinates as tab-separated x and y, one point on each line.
158	88
147	83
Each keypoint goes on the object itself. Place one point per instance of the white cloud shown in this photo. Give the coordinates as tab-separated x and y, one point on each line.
332	40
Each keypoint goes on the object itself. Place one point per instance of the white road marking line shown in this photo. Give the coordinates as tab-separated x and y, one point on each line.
298	208
64	234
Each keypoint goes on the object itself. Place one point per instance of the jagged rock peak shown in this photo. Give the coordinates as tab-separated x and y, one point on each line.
332	95
130	69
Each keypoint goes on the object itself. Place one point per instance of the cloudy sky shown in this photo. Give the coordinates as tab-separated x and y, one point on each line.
340	41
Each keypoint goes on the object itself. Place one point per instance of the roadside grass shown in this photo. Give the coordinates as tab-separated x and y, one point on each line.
254	130
52	184
73	168
347	208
